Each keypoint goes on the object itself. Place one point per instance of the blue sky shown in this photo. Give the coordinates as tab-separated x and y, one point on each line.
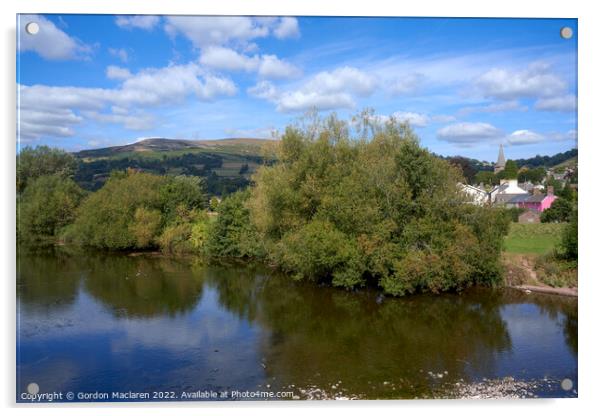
465	85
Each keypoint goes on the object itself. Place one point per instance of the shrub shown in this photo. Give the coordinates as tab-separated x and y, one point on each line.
559	211
47	205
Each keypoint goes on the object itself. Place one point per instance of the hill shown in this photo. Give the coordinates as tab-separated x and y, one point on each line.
225	164
548	161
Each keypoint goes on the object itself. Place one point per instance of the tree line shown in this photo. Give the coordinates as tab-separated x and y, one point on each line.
350	208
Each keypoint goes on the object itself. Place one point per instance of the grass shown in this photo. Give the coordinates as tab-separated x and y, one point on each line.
533	238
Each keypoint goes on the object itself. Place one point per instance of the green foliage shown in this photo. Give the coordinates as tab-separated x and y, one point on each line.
133	209
514	213
510	170
559	211
486	178
570	240
213	203
40	161
46	206
375	208
535	175
232	234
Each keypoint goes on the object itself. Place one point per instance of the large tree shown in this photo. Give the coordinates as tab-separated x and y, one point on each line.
377	207
43	160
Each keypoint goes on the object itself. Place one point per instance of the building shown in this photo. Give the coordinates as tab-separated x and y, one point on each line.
500	165
505	191
529	217
477	195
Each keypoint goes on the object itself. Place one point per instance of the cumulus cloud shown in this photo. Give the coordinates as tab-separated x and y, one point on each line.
264	90
534	82
50	42
137	22
287	27
327	90
267	66
147	88
343	79
413	119
238	31
520	137
524	137
564	103
467	134
205	31
116	72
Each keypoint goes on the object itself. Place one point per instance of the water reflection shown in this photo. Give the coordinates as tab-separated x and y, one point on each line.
147	322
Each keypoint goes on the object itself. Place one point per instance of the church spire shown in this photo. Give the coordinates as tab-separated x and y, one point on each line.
501	160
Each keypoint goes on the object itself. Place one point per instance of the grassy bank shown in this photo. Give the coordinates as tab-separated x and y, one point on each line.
529	257
532	238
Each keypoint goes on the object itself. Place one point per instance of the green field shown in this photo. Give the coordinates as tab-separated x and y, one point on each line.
532	238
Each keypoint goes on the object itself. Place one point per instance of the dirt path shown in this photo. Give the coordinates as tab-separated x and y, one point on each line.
520	274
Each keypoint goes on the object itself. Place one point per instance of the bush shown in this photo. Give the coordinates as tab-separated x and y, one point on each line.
47	205
570	240
559	211
232	234
133	209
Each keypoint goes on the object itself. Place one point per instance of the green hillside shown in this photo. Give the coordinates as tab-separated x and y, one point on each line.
226	165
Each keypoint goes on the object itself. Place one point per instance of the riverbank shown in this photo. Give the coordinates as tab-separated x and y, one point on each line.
535	273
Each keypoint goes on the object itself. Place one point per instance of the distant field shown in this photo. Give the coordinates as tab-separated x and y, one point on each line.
532	238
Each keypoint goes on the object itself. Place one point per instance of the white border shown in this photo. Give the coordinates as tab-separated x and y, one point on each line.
590	137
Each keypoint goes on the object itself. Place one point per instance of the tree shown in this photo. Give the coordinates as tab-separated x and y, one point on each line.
47	205
40	161
510	170
376	208
486	178
133	209
559	211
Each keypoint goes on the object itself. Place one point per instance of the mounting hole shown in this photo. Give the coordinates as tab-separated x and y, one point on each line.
32	28
566	32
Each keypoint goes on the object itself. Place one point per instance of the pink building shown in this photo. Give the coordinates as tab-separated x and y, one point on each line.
536	202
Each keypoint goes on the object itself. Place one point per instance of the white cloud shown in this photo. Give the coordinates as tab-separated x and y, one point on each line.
342	79
50	42
520	137
264	90
565	103
534	82
467	134
147	88
137	22
205	31
272	67
34	123
414	119
116	72
327	90
121	53
267	66
303	100
236	31
287	27
524	137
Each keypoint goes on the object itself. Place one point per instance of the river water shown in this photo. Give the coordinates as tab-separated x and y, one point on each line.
146	327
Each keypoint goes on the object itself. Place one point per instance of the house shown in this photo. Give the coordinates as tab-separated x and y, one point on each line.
529	217
505	191
477	195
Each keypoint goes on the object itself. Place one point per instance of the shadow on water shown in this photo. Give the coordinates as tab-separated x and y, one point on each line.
189	326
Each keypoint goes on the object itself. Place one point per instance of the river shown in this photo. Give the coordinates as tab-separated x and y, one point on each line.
146	327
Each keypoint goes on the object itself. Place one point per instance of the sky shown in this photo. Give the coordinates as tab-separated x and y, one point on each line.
465	85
